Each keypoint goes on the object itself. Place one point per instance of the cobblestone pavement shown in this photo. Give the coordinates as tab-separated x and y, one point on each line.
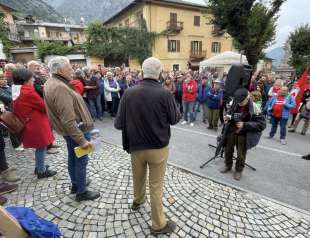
201	207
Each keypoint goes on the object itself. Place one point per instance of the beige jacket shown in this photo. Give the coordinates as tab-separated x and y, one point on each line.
66	108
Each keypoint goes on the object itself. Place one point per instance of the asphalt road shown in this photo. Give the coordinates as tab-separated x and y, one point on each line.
281	173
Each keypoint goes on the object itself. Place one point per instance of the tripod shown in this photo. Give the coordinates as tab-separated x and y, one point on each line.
221	155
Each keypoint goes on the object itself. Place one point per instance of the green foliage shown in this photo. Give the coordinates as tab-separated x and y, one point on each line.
251	23
119	42
4	35
56	48
299	41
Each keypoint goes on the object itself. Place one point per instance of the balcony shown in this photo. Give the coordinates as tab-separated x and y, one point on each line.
198	54
174	26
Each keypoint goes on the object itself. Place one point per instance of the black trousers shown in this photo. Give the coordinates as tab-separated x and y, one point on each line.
3	163
113	106
238	141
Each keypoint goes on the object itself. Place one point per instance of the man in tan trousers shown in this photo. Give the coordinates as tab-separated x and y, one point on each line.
145	114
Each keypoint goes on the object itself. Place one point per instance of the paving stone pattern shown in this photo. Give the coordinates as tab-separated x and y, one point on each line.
201	207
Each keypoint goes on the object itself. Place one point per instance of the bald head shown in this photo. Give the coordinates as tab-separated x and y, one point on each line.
151	68
284	91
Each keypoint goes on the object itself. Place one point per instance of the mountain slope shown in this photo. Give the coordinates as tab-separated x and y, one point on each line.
277	54
88	9
37	8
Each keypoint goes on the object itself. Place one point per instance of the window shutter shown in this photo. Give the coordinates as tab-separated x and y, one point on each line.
178	46
169	44
200	46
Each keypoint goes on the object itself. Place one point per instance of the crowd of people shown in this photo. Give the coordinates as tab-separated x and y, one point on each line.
68	100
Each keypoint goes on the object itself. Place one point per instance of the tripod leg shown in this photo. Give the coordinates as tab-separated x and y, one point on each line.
203	165
251	167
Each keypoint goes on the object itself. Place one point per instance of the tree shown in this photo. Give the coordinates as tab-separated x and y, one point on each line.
299	41
251	23
56	48
4	30
119	42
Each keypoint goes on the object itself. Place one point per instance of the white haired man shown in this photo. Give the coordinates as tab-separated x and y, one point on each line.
145	114
70	117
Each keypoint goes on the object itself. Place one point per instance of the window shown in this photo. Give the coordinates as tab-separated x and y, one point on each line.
176	67
196	20
216	47
173	46
196	47
26	34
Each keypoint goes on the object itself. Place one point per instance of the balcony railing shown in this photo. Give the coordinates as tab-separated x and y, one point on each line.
198	54
174	26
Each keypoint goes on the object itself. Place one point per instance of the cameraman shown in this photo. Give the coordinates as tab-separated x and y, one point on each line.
244	131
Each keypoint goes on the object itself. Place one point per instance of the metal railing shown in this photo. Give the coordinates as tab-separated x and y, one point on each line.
198	54
174	26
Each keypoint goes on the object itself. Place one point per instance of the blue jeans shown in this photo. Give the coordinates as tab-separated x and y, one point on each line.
40	159
274	122
188	107
95	107
77	166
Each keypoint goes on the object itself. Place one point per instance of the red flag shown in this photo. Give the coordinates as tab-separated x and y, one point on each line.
300	87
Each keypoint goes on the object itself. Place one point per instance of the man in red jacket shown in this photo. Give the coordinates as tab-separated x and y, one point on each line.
189	98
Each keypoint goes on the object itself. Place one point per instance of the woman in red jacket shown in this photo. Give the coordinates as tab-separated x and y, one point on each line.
189	98
29	107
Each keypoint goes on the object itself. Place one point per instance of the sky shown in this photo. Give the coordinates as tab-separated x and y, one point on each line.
293	14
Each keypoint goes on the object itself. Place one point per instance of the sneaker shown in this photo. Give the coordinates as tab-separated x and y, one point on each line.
183	122
237	176
283	142
192	124
20	148
3	200
48	173
88	195
135	206
7	188
74	189
169	228
52	151
10	175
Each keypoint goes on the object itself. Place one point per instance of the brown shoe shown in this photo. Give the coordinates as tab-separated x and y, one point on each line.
7	188
10	175
169	228
135	206
237	176
3	200
225	170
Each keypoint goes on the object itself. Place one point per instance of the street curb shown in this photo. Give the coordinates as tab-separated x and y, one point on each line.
294	211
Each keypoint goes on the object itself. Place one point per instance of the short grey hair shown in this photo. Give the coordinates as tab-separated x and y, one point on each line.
151	68
57	63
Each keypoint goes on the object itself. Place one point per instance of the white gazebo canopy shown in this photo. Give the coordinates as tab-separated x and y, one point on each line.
223	61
